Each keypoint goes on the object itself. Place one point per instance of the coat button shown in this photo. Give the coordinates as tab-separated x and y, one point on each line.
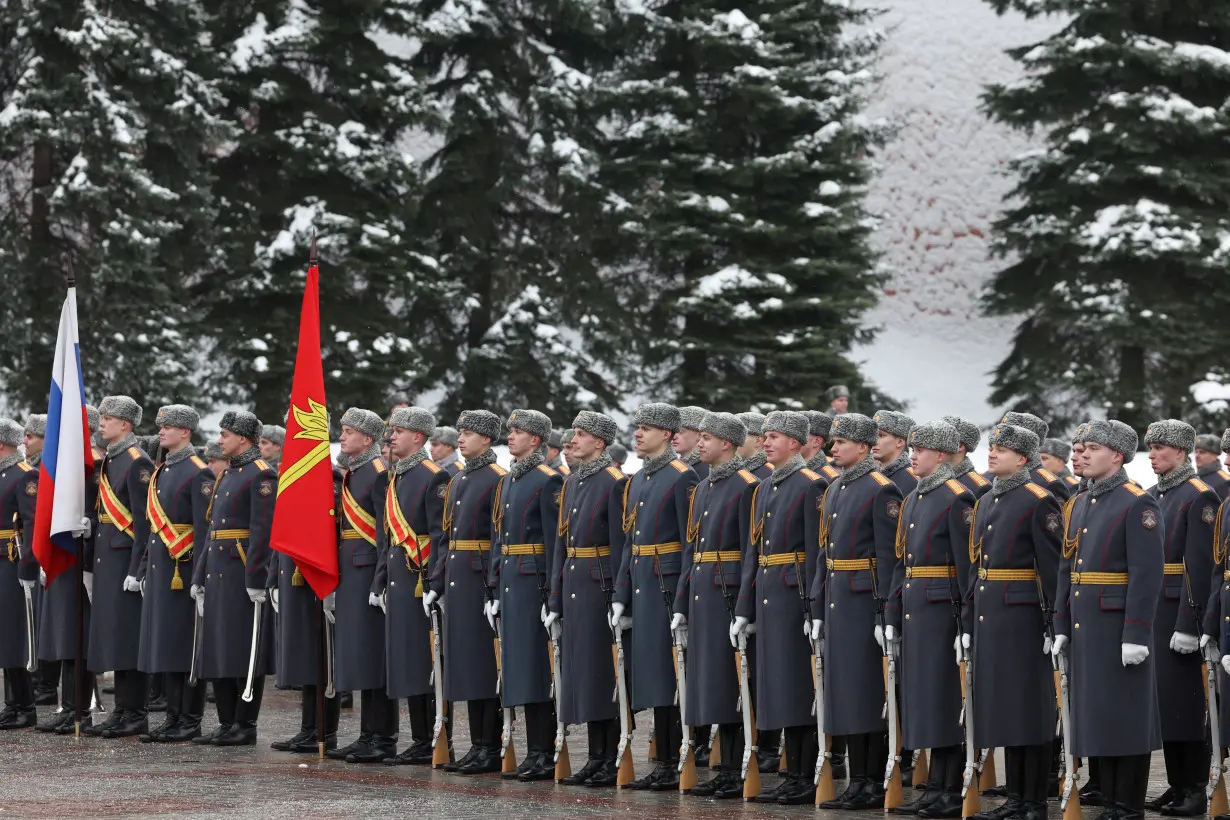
990	526
1080	560
832	606
574	595
768	515
506	589
766	601
706	512
1078	626
1095	501
638	592
698	598
981	618
981	588
1085	531
392	583
452	583
1077	593
911	555
907	616
911	526
907	586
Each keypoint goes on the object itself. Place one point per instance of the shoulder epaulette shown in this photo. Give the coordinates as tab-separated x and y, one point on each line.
99	455
956	486
748	477
546	469
459	464
978	479
563	468
809	473
500	471
1047	475
135	452
1133	489
679	466
615	473
1224	474
1200	485
910	470
261	464
1072	480
1036	490
769	464
430	465
830	471
25	467
880	478
378	463
198	461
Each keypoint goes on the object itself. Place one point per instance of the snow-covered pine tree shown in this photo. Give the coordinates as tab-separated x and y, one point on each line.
321	99
1117	234
736	177
105	115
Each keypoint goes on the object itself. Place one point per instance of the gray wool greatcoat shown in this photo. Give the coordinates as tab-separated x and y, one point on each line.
18	498
860	525
931	577
57	625
1021	531
720	516
1189	512
419	496
1114	708
184	490
525	521
459	574
591	514
358	634
1052	483
116	644
975	483
1217	478
779	557
1217	613
298	621
237	558
655	519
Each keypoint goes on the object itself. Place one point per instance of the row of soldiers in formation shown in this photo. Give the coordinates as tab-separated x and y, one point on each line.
895	547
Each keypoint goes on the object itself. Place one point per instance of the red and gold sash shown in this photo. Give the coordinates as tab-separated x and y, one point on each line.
179	538
113	507
417	547
360	519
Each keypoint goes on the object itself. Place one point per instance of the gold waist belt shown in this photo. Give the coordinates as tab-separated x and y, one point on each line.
714	557
948	571
850	564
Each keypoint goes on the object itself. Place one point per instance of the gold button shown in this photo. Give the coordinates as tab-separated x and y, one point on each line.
1095	501
911	555
981	618
907	586
1080	560
1078	626
506	589
1077	593
990	526
392	583
638	592
574	595
706	512
697	597
911	526
1086	530
907	616
452	583
766	601
834	606
981	588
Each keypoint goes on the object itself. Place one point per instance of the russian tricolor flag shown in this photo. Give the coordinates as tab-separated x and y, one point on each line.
68	459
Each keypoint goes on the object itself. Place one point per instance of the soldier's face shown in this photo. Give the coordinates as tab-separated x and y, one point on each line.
847	453
353	441
113	429
440	452
34	444
521	443
472	444
402	443
270	450
650	441
231	444
583	446
840	404
686	441
1163	459
1003	462
1101	461
926	462
751	446
1078	460
1052	463
173	438
714	450
1204	457
780	447
888	447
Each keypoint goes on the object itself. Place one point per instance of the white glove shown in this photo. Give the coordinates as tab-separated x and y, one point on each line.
551	621
618	619
195	592
200	605
1134	653
1060	646
817	630
1046	644
429	598
141	587
26	584
87	580
1225	663
1212	651
957	651
384	602
273	599
130	584
542	615
555	629
330	605
738	626
83	528
257	596
887	633
42	577
678	620
373	599
492	610
1183	643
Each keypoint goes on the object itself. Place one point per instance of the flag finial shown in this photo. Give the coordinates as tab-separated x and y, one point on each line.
312	252
70	276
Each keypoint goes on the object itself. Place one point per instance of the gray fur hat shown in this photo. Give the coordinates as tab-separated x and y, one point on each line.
1225	441
967	431
725	426
532	422
566	437
275	433
1058	448
121	407
1113	434
242	423
754	422
894	423
11	433
178	415
1171	433
213	451
1020	440
619	453
837	391
658	414
445	435
483	422
1209	442
1029	421
854	427
1079	434
394	398
935	435
365	421
599	425
818	424
692	417
416	419
555	439
36	425
92	417
788	423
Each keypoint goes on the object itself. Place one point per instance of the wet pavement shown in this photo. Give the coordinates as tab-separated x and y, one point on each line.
45	776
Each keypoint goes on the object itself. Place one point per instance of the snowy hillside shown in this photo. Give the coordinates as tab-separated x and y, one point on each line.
937	191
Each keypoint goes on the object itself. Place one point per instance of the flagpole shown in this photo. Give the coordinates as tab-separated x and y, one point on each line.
321	682
79	652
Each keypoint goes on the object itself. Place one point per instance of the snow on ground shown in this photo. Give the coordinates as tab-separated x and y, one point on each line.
939	187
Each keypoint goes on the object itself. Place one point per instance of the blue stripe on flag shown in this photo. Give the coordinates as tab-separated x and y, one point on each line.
51	443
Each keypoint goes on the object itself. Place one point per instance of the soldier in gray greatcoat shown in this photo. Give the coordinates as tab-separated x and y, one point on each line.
858	524
1215	640
819	426
555	453
459	566
1054	454
1015	544
444	450
687	439
718	519
779	557
1208	464
358	642
525	522
1038	473
1188	508
930	579
177	513
654	521
755	460
413	521
1106	603
892	451
839	399
962	467
590	542
18	574
232	578
273	436
124	478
